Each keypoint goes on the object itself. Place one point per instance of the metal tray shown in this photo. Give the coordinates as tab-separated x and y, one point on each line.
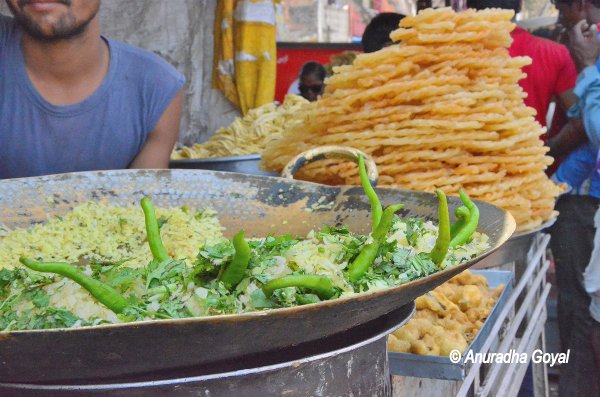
249	164
438	367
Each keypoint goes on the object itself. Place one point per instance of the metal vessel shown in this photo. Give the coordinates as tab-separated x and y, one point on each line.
258	204
354	362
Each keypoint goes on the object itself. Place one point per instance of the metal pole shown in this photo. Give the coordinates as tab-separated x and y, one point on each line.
320	21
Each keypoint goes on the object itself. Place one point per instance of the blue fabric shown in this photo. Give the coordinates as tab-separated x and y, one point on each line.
104	131
581	163
587	108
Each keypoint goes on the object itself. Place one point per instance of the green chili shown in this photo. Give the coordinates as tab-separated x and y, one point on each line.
103	292
463	235
157	248
376	208
363	261
367	255
234	271
320	285
442	243
385	224
462	215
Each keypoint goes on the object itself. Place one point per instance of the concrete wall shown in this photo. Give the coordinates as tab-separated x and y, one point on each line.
181	31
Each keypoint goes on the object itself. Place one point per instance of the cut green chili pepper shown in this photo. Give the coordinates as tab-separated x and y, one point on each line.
463	235
462	215
367	255
376	208
103	292
157	248
320	285
442	243
234	271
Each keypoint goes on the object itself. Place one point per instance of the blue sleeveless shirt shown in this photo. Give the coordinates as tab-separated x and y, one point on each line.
104	131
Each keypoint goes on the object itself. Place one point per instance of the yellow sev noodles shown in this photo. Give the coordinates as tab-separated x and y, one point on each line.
109	233
440	110
248	135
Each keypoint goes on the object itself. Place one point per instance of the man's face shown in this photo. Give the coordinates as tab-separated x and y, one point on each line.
569	13
53	20
592	13
311	86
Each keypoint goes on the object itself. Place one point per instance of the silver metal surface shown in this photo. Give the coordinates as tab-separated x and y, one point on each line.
515	249
352	363
249	164
438	367
259	205
331	152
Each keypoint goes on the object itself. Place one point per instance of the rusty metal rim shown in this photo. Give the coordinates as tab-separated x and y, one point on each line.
242	372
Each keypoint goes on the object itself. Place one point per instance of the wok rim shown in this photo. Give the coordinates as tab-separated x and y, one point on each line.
377	336
548	223
507	233
225	159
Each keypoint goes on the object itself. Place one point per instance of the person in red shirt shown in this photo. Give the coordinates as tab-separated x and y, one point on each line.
570	13
551	75
552	72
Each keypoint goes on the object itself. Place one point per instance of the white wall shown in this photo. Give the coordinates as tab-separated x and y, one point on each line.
181	31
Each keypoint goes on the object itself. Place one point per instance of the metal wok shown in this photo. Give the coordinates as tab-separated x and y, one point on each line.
262	205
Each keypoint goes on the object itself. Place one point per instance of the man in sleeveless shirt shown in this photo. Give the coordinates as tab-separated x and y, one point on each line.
74	100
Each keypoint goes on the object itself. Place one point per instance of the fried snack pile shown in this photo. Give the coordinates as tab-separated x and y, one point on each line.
440	110
447	318
248	135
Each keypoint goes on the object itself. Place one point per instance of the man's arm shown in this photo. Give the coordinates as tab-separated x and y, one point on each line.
566	99
157	149
570	137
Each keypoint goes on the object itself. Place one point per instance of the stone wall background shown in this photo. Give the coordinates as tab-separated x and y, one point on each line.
181	31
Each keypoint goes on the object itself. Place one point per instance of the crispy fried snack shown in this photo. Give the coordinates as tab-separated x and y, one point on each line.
247	135
440	110
447	318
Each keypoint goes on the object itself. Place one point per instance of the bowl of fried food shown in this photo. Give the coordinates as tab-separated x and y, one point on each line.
237	148
457	315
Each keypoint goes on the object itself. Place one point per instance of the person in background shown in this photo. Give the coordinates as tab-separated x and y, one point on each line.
551	74
310	82
377	33
74	100
576	234
570	12
375	37
570	139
